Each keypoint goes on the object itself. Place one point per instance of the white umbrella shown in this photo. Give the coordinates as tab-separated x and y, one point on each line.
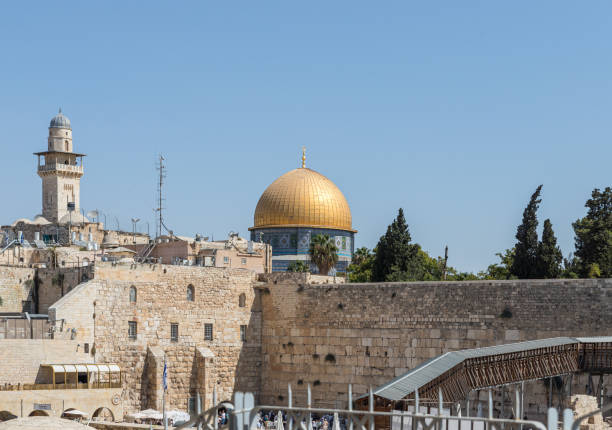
178	416
279	421
76	412
147	414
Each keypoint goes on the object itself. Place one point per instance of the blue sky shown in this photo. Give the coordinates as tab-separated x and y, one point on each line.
455	111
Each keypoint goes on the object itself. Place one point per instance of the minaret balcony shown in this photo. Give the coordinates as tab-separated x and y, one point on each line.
58	167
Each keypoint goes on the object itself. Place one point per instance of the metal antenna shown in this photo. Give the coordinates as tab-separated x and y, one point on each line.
160	198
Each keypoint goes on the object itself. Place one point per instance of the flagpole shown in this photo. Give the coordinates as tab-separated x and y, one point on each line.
165	384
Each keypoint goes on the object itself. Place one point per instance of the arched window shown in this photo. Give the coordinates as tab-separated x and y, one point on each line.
190	293
67	148
133	294
242	300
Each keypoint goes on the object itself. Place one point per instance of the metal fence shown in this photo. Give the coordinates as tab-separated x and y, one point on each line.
22	328
243	414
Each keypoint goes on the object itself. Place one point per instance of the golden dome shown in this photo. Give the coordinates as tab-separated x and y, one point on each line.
303	197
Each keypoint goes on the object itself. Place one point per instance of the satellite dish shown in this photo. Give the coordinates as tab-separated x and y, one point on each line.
92	214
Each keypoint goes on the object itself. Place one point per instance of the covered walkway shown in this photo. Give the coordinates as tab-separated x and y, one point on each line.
455	374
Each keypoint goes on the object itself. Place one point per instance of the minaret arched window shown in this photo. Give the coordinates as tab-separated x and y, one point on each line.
67	146
190	293
133	294
242	300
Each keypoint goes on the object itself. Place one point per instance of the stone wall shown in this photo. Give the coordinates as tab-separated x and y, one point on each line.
54	283
20	359
194	363
367	334
21	403
16	289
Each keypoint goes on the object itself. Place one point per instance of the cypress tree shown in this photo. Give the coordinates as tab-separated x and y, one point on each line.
549	256
526	248
394	250
594	236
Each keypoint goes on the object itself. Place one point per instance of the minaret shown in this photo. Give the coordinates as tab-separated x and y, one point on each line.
61	172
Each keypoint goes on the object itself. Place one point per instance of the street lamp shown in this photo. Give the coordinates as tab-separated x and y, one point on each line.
134	222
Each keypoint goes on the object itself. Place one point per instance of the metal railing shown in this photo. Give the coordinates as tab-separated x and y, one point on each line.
244	415
60	167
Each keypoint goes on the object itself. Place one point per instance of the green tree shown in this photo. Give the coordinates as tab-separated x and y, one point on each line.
360	269
323	253
394	251
361	255
502	269
298	266
594	236
526	248
549	256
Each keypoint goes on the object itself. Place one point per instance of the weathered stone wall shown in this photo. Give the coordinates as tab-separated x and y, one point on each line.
54	283
367	334
194	364
16	288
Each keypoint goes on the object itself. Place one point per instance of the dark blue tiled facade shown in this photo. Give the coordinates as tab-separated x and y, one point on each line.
293	243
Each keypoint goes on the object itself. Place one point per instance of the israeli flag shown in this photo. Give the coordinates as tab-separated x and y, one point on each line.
165	376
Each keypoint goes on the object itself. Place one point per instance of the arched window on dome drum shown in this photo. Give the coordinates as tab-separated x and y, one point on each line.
242	300
133	294
190	293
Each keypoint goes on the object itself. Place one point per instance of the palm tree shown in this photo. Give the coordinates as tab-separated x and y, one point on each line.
361	255
323	252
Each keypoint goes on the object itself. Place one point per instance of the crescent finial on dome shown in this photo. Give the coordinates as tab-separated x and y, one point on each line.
303	157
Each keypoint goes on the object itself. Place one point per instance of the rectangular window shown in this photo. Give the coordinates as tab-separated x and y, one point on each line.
132	329
244	261
174	332
226	260
191	406
208	332
243	333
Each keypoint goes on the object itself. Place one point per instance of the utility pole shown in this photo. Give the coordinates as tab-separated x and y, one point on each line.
160	199
445	261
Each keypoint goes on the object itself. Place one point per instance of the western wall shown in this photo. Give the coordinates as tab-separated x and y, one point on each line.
330	335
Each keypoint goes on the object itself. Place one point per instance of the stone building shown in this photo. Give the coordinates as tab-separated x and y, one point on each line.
300	204
235	252
62	221
60	172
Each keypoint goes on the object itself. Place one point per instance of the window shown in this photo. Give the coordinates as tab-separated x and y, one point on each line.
66	146
226	260
133	294
243	260
243	333
208	332
191	406
132	329
174	332
190	293
242	300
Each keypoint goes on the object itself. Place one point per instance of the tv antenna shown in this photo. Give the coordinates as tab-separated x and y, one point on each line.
161	168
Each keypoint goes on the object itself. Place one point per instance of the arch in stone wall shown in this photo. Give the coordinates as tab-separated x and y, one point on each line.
6	415
103	414
242	300
38	413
